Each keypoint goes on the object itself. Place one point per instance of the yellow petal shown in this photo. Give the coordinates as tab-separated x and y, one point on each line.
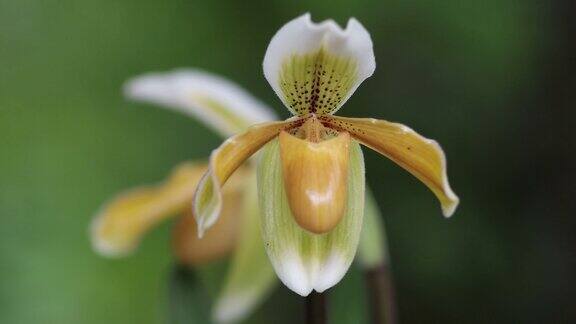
224	161
420	156
316	180
121	223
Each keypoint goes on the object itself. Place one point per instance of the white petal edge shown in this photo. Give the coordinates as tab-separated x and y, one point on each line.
297	276
190	91
302	36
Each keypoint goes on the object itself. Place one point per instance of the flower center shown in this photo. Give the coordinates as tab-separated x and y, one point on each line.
312	129
317	83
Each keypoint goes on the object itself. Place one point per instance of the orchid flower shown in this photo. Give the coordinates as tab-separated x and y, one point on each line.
311	179
122	222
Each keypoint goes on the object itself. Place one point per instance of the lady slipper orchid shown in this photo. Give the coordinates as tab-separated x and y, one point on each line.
120	225
311	173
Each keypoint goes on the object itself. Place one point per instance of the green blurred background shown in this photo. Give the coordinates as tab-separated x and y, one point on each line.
492	80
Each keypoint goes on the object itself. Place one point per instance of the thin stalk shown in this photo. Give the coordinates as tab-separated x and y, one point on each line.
375	259
316	308
382	296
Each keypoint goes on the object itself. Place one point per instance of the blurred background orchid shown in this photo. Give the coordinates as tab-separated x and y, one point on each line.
119	227
491	80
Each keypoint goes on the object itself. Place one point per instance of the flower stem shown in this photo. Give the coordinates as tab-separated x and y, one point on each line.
382	294
375	260
316	308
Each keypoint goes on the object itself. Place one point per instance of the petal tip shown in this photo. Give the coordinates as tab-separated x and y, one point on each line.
303	279
449	208
334	270
201	230
146	87
292	272
202	225
233	308
352	21
102	246
106	249
207	202
229	309
128	88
